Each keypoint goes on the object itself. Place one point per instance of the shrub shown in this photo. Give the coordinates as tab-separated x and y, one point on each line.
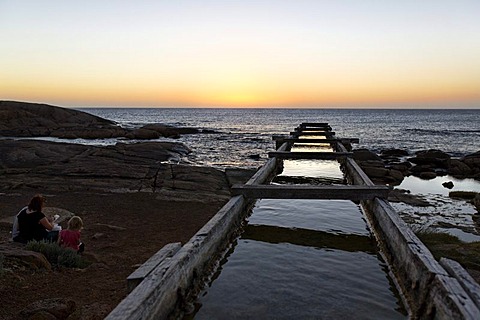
57	255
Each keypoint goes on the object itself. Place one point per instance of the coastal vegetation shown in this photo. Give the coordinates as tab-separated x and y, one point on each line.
58	256
444	245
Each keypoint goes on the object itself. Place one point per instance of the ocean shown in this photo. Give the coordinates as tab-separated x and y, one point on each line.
241	133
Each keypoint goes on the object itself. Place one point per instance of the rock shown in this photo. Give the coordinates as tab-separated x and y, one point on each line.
476	202
21	119
458	168
375	172
30	259
427	175
111	227
431	157
396	175
119	168
65	215
142	134
473	162
364	154
58	307
254	157
394	152
169	131
98	235
403	167
448	184
401	195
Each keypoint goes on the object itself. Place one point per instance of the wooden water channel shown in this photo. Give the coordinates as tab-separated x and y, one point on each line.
164	286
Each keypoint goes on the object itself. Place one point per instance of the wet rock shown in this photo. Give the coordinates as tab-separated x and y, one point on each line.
375	172
169	131
458	168
473	162
397	175
401	195
364	155
427	175
448	184
394	153
142	134
476	202
432	157
59	308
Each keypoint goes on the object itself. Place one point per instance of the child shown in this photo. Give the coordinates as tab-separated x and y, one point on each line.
70	238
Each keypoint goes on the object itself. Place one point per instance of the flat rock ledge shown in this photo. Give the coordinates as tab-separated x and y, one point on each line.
122	168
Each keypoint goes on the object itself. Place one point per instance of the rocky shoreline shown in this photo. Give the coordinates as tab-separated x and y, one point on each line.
392	166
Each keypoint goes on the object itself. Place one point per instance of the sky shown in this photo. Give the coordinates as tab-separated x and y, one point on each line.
264	53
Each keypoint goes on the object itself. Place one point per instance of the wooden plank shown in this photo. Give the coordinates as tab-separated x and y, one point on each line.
347	192
464	278
318	133
320	140
297	129
153	262
309	155
314	124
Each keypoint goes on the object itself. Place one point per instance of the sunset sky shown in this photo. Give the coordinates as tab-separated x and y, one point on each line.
368	53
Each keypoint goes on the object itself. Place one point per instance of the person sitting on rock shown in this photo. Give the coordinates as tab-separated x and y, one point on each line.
70	238
32	224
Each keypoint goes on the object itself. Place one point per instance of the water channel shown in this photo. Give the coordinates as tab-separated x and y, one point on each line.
303	259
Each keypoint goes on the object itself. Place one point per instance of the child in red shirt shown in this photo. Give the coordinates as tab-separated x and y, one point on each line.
70	238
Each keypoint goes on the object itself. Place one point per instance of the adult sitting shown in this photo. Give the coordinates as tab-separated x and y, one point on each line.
32	224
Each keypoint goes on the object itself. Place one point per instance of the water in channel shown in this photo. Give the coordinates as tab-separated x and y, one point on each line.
303	259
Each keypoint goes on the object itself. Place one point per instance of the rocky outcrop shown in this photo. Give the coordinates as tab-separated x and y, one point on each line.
432	163
391	166
378	170
22	119
137	167
19	119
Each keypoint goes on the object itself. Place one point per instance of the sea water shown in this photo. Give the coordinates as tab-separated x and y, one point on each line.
241	133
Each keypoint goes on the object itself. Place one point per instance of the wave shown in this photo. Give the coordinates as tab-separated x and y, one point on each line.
432	131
